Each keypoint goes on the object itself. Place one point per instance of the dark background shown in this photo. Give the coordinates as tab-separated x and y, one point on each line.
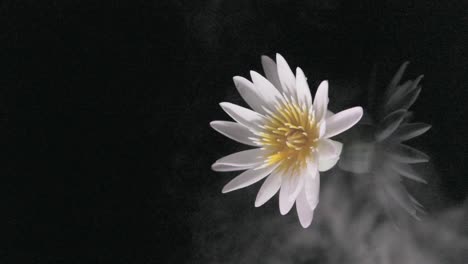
106	107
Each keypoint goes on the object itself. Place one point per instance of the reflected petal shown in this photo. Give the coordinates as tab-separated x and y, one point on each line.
409	131
389	124
406	154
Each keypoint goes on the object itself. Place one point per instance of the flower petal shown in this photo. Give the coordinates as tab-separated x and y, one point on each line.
285	204
269	188
406	154
312	185
297	182
322	128
325	165
304	211
271	71
225	167
247	178
409	131
235	132
321	101
286	76
342	121
250	95
328	153
268	92
328	149
244	116
389	124
244	158
302	88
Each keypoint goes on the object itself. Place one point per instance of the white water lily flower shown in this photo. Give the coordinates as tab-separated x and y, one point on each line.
291	132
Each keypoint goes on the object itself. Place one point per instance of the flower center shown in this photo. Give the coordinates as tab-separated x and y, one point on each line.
290	134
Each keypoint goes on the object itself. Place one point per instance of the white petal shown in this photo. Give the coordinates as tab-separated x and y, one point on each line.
328	153
234	131
312	185
271	71
244	116
249	94
269	188
322	128
325	165
304	211
342	121
321	101
338	146
286	76
297	182
224	167
328	149
406	154
409	131
247	178
269	93
389	124
302	88
244	158
285	204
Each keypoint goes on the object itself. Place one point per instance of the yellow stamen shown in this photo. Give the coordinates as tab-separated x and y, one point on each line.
290	134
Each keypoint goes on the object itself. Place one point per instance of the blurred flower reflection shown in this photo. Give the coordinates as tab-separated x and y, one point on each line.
377	147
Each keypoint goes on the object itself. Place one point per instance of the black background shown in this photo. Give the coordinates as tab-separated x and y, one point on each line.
106	108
